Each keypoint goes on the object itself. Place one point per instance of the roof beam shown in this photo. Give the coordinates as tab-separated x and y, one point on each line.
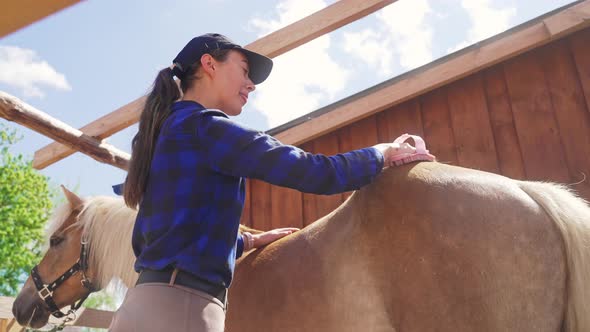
17	14
101	128
272	45
13	109
430	77
315	25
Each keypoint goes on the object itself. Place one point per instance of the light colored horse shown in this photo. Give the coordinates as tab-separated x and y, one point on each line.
426	247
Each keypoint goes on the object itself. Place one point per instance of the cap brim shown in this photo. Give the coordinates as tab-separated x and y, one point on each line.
259	65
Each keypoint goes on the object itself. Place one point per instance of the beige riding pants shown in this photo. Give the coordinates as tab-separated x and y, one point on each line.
163	307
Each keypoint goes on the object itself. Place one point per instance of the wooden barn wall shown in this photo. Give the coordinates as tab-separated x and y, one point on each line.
526	118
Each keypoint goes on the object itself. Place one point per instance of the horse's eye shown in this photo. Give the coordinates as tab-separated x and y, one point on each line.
55	240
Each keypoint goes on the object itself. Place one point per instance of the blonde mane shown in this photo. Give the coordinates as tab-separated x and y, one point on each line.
107	224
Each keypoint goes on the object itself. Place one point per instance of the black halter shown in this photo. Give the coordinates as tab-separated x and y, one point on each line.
45	291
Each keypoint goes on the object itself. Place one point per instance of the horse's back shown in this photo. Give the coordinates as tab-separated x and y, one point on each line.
468	251
425	247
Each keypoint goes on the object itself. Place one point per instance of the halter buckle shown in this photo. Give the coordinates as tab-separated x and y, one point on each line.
45	292
86	282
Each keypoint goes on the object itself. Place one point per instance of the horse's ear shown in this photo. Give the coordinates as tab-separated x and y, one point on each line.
75	201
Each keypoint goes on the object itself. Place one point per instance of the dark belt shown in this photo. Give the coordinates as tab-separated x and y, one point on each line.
183	279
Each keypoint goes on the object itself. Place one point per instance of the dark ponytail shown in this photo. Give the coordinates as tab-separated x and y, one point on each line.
156	110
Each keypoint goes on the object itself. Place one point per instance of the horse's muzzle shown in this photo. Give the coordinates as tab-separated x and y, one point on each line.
29	311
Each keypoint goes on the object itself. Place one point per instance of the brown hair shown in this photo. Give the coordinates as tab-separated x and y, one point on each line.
156	110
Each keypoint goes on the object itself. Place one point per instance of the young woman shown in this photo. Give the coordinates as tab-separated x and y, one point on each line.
187	175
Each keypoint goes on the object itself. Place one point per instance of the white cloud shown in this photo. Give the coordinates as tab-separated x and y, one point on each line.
303	77
485	21
402	36
22	68
407	24
370	47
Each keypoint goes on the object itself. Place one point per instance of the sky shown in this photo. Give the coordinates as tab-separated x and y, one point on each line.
96	56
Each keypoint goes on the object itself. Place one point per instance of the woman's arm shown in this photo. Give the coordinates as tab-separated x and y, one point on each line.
239	151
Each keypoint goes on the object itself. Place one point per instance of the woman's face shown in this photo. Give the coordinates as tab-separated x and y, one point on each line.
233	83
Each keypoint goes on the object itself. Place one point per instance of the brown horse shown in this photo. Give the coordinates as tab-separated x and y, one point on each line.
425	247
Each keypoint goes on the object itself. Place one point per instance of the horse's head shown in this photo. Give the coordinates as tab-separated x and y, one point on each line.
63	275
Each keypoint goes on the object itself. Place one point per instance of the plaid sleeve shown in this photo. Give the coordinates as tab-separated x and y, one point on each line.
239	151
239	246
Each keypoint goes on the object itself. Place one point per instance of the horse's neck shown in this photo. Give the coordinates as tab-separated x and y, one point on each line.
111	238
342	224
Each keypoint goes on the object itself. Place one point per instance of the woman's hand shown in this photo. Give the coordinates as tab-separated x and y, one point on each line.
391	150
252	241
399	152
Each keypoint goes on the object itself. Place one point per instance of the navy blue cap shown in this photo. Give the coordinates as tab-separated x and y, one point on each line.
119	189
260	66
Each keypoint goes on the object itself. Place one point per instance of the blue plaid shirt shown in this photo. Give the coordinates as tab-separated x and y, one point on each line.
190	212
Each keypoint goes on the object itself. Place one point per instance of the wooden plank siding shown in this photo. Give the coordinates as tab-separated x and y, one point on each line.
286	207
246	213
580	48
505	137
317	206
358	135
401	119
535	119
474	141
526	118
260	210
573	119
438	130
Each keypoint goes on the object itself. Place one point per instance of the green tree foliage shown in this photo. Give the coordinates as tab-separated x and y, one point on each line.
25	204
101	300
